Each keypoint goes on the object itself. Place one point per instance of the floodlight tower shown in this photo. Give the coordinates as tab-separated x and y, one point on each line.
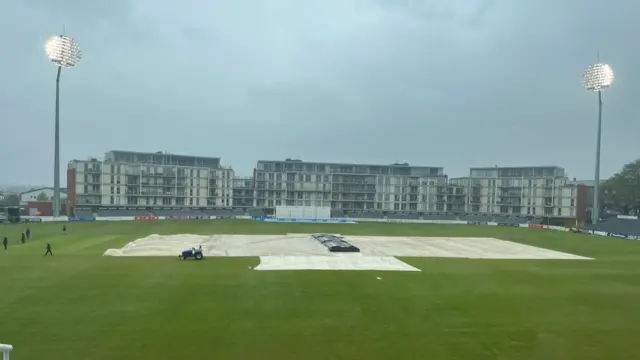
64	52
597	77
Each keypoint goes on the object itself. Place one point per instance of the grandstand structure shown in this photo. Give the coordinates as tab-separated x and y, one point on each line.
130	183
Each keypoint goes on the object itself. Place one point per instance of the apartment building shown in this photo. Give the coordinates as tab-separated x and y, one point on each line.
395	187
243	192
455	195
127	178
137	179
534	191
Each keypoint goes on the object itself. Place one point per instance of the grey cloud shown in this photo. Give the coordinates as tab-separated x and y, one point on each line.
453	84
467	13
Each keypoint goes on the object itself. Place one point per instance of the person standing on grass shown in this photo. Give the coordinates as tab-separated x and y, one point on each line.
28	232
5	242
48	250
22	237
64	229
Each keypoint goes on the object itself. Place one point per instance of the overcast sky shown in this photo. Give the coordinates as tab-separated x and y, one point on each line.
433	82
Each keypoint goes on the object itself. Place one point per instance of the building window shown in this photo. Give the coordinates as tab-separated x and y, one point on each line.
112	200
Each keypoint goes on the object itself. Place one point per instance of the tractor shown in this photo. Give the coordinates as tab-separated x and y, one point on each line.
193	253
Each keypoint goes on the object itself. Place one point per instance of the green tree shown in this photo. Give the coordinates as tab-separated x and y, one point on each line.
42	197
622	190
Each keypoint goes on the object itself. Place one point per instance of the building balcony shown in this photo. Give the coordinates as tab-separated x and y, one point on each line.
351	191
155	193
92	192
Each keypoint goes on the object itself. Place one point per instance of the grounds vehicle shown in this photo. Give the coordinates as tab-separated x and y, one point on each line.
193	253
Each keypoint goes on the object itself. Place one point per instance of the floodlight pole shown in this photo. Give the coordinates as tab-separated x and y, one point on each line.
595	213
56	156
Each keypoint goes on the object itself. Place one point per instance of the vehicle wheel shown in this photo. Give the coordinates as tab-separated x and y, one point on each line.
199	256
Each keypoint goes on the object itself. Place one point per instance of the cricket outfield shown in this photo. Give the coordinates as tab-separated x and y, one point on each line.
455	292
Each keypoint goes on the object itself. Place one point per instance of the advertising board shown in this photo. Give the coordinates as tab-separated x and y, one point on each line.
147	218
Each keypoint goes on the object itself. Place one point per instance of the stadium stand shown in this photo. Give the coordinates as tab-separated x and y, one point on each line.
83	212
617	226
612	224
436	217
224	213
178	212
256	212
120	212
337	213
480	218
362	214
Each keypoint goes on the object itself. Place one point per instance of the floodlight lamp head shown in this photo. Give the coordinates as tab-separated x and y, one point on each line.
598	77
62	51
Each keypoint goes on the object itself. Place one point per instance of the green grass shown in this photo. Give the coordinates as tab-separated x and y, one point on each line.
79	305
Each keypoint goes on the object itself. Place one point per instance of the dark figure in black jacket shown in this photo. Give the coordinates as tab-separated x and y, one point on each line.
48	250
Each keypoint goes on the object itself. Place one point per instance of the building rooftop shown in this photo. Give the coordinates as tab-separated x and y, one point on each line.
293	161
496	167
161	158
62	190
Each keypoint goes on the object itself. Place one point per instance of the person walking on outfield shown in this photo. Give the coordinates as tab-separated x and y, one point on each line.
28	233
5	242
64	229
22	237
48	250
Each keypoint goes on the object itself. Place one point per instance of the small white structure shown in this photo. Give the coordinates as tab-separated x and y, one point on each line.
303	212
6	351
40	194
